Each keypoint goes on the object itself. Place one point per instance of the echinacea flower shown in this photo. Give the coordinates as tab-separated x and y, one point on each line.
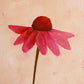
43	35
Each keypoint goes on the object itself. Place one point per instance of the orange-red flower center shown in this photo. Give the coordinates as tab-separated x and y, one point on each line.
42	23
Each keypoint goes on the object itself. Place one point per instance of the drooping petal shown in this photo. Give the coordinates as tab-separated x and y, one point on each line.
60	40
41	43
19	40
23	37
51	44
62	33
18	29
29	43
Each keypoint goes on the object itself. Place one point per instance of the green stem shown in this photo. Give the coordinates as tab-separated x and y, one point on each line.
35	66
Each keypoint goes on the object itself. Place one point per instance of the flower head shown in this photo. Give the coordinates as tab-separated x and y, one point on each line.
42	23
43	35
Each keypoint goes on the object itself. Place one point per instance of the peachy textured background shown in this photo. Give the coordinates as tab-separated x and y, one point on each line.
16	67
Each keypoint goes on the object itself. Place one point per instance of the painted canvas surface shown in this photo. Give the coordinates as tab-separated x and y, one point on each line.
53	23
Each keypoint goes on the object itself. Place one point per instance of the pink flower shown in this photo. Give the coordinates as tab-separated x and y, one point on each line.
43	35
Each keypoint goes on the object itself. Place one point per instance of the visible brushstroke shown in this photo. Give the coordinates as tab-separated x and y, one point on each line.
42	27
43	35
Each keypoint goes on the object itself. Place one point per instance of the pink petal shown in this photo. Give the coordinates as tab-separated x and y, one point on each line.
23	37
41	43
51	44
62	34
18	29
19	40
60	40
29	43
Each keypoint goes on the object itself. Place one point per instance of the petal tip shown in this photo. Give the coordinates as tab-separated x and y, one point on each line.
68	48
43	53
24	50
58	54
9	26
15	44
73	35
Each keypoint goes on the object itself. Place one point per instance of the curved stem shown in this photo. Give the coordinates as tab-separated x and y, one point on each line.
35	66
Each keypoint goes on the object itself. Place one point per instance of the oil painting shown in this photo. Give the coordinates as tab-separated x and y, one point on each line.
41	42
